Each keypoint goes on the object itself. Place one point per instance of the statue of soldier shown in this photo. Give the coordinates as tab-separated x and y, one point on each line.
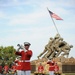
66	49
63	47
55	47
50	46
58	46
47	49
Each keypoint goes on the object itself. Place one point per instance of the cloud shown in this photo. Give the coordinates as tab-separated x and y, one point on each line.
12	3
32	33
42	3
30	18
35	16
68	3
39	13
2	14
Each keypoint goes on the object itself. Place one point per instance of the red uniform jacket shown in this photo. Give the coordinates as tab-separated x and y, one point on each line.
51	66
18	66
40	68
0	69
56	68
25	59
13	68
6	68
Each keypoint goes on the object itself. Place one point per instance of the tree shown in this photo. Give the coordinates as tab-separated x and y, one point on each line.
7	54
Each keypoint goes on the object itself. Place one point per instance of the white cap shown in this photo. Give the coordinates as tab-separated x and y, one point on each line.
27	43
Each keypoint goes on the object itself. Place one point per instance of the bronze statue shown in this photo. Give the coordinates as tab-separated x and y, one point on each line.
47	49
55	47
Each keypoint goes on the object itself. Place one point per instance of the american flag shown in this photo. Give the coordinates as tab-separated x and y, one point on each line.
53	15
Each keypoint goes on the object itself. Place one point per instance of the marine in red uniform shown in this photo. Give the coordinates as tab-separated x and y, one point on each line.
18	66
56	68
51	67
26	55
6	68
40	68
13	68
0	68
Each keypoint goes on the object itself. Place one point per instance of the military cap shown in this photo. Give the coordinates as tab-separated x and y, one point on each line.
27	43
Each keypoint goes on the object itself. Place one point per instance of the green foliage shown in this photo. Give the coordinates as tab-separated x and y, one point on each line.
7	55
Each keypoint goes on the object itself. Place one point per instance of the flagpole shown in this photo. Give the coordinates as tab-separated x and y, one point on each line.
54	23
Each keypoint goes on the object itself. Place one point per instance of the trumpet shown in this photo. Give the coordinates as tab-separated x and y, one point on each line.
20	47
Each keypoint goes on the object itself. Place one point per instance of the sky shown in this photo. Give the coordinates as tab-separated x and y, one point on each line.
29	21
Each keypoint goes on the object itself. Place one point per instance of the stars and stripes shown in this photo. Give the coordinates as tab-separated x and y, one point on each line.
53	15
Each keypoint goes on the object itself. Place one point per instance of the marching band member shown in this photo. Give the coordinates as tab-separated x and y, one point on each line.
40	68
0	69
6	68
18	66
13	68
51	67
56	68
26	55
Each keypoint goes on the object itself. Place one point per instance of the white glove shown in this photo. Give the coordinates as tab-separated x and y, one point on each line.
18	49
23	47
49	61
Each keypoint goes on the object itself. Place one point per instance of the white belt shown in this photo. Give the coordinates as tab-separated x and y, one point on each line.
25	60
51	66
18	65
